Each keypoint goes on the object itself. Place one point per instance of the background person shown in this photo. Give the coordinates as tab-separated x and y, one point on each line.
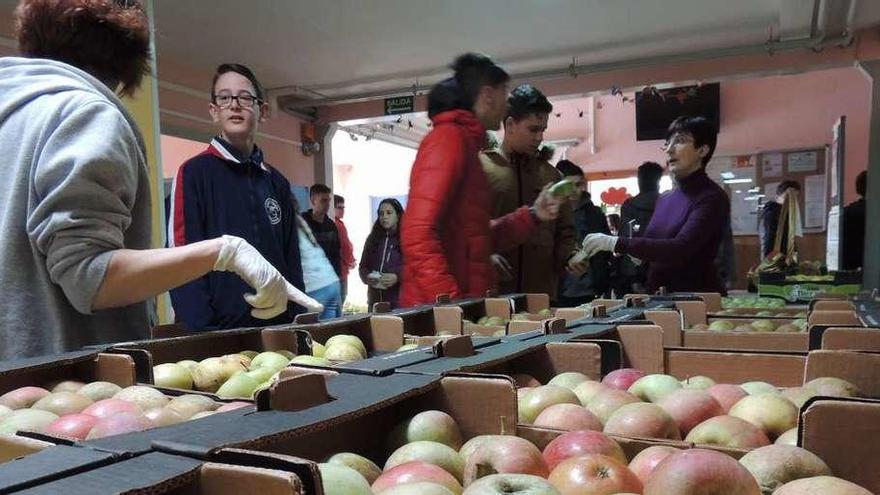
448	233
346	249
853	254
768	221
382	260
635	215
516	175
230	189
320	280
685	232
76	218
323	227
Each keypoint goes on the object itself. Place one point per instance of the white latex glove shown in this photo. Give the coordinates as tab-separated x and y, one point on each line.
272	290
595	243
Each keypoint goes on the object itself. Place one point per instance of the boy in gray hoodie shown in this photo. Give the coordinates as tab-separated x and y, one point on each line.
76	266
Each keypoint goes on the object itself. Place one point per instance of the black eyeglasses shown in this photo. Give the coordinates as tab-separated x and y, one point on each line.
243	100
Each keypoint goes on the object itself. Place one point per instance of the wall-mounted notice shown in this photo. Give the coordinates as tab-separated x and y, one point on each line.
771	165
804	161
814	202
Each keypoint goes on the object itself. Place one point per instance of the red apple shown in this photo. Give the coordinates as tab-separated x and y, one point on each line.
586	390
728	431
700	472
110	407
417	488
603	404
593	474
689	407
510	484
542	397
22	397
772	413
642	420
776	465
413	472
568	417
821	485
623	378
474	443
727	395
434	453
644	463
578	443
504	454
76	426
124	422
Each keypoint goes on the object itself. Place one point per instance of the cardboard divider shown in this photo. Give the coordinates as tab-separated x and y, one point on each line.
295	393
843	433
831	305
571	314
693	312
642	347
671	323
14	446
712	300
859	368
780	369
85	367
169	330
833	318
851	339
747	341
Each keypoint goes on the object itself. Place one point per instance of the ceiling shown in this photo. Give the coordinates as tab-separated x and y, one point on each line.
345	49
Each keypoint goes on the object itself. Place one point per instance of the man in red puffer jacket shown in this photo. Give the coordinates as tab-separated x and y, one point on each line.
448	233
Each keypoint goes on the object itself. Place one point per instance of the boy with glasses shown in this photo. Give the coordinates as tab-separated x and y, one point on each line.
230	189
346	249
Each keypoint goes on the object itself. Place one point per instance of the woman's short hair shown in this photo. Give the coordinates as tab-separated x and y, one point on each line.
700	128
109	39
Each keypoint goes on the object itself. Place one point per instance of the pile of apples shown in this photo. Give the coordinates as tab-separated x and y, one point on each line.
85	411
631	403
796	326
751	302
240	375
428	457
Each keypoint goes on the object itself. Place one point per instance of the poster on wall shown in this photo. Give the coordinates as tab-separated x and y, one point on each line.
771	165
835	171
803	161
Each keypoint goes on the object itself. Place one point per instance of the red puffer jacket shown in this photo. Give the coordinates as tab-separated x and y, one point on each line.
448	233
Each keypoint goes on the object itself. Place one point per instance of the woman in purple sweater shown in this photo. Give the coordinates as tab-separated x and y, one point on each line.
682	239
381	261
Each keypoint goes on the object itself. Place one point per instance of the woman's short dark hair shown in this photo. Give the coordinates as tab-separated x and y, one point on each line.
700	128
527	100
377	229
568	168
788	184
459	92
109	39
862	183
243	71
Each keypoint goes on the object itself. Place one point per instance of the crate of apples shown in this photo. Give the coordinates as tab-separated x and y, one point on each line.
427	456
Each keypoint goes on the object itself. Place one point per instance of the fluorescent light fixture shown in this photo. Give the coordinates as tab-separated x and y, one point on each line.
727	175
755	190
751	198
744	180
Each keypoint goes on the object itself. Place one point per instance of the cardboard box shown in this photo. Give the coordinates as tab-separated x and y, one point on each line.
40	462
232	472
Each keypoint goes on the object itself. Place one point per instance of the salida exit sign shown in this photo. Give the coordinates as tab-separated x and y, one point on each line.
401	104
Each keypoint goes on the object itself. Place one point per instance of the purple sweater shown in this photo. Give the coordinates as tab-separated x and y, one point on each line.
682	239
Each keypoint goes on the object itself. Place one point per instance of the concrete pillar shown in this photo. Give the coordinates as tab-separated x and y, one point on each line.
872	226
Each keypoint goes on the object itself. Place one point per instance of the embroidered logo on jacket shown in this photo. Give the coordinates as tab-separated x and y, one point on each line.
273	210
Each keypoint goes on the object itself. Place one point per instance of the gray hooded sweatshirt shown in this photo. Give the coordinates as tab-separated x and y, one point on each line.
75	187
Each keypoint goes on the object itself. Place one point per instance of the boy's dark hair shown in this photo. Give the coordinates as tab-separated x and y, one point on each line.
108	39
862	183
701	129
318	189
649	175
242	71
568	168
459	92
788	184
338	200
527	100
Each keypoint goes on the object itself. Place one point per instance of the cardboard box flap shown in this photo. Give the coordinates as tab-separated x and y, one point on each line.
642	347
780	369
386	332
522	326
169	330
226	479
571	315
536	302
583	357
306	318
457	347
693	312
448	319
120	369
858	368
833	318
49	464
87	366
355	395
306	471
500	307
671	323
288	339
151	473
14	446
17	366
851	339
295	393
483	404
831	305
843	433
712	300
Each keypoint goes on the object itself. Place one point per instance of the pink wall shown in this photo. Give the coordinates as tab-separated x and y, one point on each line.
769	113
175	151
